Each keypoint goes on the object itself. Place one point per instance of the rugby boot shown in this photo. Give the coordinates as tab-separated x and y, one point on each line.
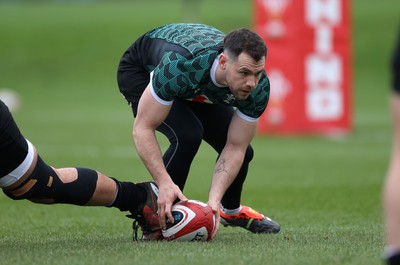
146	216
251	220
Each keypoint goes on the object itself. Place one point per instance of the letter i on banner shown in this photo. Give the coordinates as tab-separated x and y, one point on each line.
308	64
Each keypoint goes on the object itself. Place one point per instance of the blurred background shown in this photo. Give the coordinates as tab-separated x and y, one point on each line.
58	61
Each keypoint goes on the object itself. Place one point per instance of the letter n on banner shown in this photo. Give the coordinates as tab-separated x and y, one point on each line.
308	64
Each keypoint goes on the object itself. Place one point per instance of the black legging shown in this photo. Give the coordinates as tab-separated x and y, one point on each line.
396	66
187	124
13	146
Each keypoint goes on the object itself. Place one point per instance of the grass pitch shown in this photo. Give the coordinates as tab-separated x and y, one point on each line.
61	58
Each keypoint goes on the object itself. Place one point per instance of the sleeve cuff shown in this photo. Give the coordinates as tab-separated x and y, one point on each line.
245	117
156	97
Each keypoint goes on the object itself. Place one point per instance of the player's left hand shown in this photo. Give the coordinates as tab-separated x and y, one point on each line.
215	208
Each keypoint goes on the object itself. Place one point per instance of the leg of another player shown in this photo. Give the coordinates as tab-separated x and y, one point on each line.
42	183
106	188
391	190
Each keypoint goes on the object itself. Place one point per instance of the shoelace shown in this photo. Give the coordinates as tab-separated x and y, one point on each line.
253	215
138	221
135	227
245	216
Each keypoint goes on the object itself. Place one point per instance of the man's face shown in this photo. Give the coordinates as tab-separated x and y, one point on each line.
243	74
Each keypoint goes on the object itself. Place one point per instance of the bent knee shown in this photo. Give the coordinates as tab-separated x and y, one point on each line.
46	185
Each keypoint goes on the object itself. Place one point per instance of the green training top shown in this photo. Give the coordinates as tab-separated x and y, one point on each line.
184	58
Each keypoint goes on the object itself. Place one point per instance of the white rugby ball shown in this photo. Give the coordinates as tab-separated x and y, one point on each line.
194	221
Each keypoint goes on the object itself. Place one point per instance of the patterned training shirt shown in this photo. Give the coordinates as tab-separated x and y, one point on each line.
182	57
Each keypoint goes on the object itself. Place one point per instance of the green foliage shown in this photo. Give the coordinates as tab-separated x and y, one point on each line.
61	57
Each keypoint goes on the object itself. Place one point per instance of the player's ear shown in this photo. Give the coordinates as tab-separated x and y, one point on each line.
223	59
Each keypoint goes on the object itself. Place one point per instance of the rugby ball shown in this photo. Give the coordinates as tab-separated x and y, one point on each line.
193	221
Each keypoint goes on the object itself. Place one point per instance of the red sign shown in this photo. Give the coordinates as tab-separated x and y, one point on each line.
308	63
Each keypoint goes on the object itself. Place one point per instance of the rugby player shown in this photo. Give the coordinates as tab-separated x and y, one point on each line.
191	82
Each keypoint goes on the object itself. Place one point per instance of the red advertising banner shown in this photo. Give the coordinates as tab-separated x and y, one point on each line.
309	65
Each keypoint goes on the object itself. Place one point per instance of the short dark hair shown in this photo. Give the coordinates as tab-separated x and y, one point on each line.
244	40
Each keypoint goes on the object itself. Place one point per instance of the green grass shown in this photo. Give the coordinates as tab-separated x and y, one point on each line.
325	192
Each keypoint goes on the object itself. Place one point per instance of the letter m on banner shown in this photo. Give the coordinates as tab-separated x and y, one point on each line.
308	63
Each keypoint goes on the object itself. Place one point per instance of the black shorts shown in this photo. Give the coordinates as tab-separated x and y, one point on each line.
13	145
132	81
132	76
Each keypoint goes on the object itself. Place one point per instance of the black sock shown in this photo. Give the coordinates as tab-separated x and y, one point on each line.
129	196
393	260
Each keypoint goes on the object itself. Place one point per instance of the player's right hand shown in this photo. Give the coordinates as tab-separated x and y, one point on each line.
168	192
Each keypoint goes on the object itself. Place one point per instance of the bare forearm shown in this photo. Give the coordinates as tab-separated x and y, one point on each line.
225	171
230	161
150	153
